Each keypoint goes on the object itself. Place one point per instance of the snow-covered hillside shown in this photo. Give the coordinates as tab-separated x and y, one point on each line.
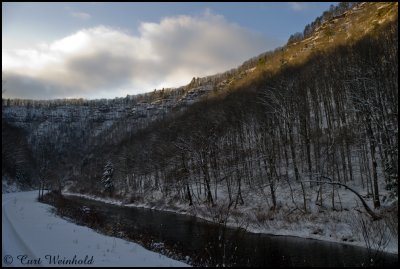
32	235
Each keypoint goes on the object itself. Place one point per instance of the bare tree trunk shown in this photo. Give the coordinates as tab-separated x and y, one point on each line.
377	203
207	182
186	179
293	151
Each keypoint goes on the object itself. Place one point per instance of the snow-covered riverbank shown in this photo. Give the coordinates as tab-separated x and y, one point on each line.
33	236
334	228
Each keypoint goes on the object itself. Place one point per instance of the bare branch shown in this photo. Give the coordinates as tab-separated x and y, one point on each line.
367	208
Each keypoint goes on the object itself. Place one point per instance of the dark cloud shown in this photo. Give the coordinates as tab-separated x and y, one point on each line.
24	87
108	62
100	70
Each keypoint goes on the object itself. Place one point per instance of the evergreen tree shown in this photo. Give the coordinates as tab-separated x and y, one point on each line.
106	179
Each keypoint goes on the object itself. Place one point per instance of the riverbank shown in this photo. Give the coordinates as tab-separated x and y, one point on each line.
33	236
332	226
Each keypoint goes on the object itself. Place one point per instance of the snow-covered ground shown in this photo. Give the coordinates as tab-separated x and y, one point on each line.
8	185
32	235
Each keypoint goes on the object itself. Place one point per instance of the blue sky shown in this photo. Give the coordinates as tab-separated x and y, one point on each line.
106	50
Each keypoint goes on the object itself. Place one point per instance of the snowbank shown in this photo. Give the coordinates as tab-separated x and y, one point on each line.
32	235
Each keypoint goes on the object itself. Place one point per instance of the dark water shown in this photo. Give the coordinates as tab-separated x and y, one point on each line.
211	244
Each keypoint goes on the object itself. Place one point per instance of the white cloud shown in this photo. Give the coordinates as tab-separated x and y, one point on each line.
111	62
298	6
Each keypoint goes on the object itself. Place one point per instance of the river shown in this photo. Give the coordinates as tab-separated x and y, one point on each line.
216	245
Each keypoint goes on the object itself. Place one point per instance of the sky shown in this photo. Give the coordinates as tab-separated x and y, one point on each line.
106	50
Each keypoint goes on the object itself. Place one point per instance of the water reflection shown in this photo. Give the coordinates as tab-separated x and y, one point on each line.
210	244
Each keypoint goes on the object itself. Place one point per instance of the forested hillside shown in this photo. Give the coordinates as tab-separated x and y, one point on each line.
335	115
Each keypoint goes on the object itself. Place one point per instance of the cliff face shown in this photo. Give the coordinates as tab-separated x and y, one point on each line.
39	121
77	126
